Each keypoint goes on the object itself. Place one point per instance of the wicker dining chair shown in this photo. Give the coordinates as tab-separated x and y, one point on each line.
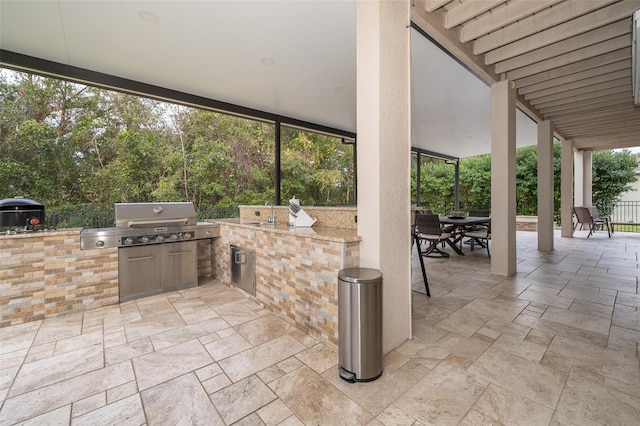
427	228
481	235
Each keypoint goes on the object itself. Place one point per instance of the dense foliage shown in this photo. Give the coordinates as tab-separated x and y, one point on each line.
613	172
66	145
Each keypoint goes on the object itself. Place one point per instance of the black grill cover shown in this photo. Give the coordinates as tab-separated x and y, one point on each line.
20	211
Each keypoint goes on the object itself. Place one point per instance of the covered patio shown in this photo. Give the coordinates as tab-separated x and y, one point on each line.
554	344
548	322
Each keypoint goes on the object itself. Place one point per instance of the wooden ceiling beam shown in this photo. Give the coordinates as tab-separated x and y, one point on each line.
583	97
594	51
594	113
585	83
431	5
552	25
580	91
608	129
614	99
598	121
502	16
467	11
615	56
578	76
606	142
504	60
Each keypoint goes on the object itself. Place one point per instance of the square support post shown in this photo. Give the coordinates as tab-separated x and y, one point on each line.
545	186
384	156
503	178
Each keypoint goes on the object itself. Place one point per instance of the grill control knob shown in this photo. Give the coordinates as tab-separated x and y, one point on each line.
128	241
186	235
144	239
160	238
100	243
174	237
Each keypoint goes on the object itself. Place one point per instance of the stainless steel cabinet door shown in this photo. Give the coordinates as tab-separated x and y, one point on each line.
243	269
179	263
139	270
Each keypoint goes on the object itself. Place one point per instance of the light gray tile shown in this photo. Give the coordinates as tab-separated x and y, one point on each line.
522	348
374	396
251	391
181	400
318	357
117	354
125	411
259	357
188	332
57	328
227	346
443	396
565	353
316	401
527	378
59	416
90	403
507	407
265	328
174	361
63	393
274	413
57	368
18	336
586	401
597	323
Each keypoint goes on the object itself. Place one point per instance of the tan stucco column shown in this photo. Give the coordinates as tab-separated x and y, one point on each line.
566	189
384	157
545	186
503	178
578	178
587	178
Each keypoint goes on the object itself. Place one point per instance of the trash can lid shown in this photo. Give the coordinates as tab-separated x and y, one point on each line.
360	275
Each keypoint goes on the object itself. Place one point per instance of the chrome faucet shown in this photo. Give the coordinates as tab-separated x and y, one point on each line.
272	218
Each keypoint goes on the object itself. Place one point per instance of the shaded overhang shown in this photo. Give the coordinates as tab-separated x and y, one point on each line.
295	61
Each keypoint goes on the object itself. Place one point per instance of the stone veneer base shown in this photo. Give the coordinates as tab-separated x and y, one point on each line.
46	274
296	276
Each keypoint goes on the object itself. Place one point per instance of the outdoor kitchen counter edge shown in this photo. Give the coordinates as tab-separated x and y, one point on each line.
39	234
340	235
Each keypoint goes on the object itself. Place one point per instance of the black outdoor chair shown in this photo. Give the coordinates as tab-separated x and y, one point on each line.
470	228
481	235
599	222
480	213
428	229
583	217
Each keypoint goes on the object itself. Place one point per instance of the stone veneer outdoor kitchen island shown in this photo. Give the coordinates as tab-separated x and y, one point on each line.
296	270
46	274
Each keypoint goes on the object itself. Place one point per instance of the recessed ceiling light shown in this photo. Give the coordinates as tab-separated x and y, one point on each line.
267	60
148	16
339	88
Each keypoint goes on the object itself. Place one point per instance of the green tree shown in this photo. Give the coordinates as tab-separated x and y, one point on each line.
613	174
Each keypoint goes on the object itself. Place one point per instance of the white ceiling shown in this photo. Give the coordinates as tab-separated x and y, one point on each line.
452	107
213	49
222	50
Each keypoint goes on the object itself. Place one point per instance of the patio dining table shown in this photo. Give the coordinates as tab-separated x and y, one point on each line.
456	223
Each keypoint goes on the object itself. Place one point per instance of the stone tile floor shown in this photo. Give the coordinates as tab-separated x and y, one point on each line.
555	344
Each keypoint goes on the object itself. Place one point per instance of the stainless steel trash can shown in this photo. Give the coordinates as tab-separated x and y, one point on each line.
360	324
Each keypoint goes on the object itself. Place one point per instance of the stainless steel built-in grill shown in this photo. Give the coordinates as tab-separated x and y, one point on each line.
157	246
152	223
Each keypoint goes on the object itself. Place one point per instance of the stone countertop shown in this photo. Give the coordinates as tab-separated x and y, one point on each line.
40	234
341	235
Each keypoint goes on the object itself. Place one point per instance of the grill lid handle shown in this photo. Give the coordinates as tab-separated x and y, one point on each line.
134	223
